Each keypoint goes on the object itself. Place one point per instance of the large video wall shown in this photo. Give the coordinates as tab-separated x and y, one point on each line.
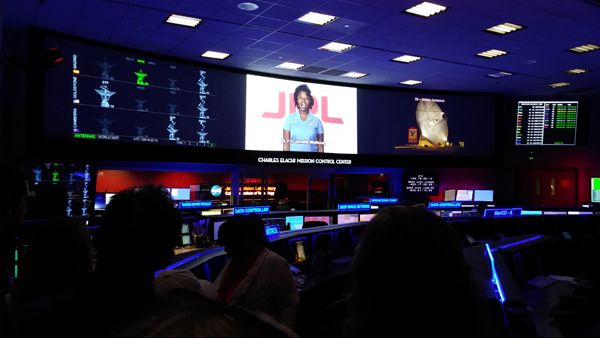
114	96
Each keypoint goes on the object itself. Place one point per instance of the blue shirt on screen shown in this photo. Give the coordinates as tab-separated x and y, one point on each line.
303	134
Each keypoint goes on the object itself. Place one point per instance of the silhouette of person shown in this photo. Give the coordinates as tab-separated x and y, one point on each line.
139	229
255	277
411	280
302	131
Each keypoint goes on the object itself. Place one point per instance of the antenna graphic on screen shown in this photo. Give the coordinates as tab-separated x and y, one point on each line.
432	132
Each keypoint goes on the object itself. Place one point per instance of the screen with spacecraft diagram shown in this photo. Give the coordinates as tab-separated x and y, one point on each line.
127	97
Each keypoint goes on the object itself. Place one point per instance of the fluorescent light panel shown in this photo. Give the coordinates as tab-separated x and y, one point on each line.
577	71
183	20
411	82
336	47
215	55
559	84
290	65
584	48
354	75
492	53
406	58
499	75
504	28
426	9
317	18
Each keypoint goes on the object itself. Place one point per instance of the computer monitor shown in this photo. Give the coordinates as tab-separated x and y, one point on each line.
595	189
185	228
279	221
450	195
483	195
464	195
365	217
100	201
325	219
347	218
180	194
294	222
186	237
109	197
215	227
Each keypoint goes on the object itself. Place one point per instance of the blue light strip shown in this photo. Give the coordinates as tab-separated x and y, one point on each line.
195	204
444	205
354	206
523	241
495	278
251	210
531	213
188	259
383	200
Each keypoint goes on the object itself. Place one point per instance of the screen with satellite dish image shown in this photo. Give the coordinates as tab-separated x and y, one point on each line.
421	123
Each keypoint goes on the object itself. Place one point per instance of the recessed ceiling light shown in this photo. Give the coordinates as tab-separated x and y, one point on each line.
183	20
584	48
492	53
499	75
504	28
215	55
406	58
317	18
577	71
559	84
247	6
290	65
411	82
336	47
354	75
426	9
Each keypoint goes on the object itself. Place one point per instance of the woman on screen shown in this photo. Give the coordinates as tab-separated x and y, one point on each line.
302	131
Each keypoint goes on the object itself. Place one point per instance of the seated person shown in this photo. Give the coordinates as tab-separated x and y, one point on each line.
255	277
411	280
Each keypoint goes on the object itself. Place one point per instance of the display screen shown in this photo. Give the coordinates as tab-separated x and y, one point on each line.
180	194
106	94
216	226
420	183
64	184
424	124
450	195
483	196
546	122
100	201
185	228
595	188
365	217
325	219
464	195
294	222
347	218
112	96
271	111
298	249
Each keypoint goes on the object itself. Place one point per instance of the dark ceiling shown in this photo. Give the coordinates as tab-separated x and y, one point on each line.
259	40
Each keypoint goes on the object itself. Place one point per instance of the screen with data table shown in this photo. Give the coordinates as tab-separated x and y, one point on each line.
546	123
